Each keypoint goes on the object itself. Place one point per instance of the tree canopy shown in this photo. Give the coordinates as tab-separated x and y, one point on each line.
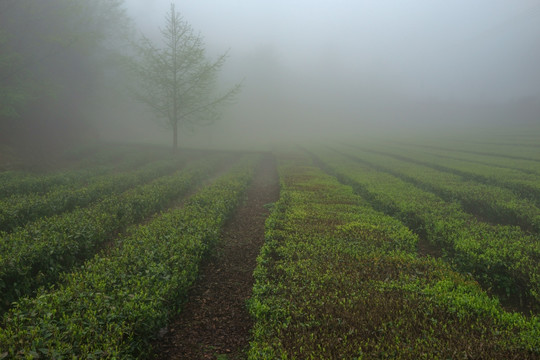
176	80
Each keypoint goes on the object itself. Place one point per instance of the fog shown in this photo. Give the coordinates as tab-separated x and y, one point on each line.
315	68
325	69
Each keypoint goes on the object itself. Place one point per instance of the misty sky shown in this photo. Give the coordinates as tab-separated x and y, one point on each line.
352	66
487	50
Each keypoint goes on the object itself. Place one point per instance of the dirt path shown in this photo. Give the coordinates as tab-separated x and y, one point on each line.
214	323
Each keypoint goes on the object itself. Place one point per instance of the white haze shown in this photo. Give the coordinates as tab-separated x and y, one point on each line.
314	68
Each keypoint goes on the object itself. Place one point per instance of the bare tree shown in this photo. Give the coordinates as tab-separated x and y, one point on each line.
177	81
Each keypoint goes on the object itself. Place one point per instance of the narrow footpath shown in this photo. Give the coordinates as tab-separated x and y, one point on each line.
214	323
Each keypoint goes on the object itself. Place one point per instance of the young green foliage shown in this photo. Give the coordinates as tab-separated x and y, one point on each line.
114	305
339	280
502	258
37	254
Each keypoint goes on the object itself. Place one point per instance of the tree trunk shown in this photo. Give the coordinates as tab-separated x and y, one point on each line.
175	138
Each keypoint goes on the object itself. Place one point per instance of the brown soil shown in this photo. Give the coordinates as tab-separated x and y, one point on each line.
214	322
425	248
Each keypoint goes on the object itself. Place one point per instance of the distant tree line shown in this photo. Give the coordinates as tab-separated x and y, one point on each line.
53	58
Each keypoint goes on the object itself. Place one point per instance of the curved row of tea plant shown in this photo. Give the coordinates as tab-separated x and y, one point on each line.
501	257
105	153
520	149
36	254
338	280
17	211
23	183
491	203
16	182
114	305
526	166
525	185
